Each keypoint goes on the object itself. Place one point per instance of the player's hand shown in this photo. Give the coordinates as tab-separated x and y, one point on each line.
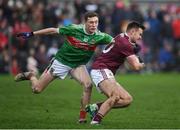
137	48
143	65
25	35
140	59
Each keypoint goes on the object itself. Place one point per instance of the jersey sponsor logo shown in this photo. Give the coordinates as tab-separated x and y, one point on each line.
93	41
78	44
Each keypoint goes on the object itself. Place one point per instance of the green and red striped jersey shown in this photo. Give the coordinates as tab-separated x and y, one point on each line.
79	46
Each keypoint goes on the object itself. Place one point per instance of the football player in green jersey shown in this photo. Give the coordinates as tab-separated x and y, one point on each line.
80	43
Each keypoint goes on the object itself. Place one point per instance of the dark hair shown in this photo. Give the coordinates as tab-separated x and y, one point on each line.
89	15
135	24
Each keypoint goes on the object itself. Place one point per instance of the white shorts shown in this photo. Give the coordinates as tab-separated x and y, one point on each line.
58	69
98	75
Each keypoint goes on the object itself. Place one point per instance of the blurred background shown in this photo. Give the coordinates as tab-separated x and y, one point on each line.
160	44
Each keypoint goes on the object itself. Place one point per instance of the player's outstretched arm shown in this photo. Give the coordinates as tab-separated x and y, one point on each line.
135	63
46	31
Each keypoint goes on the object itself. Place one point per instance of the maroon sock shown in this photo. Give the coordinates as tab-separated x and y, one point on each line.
98	117
82	114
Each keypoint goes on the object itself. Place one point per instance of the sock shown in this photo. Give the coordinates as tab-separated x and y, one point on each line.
98	117
82	114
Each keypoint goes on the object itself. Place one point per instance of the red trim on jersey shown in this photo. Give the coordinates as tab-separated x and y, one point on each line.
103	73
78	44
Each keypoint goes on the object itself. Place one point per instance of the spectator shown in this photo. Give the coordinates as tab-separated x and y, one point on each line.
177	66
52	50
4	61
166	58
42	58
176	27
166	28
14	67
32	63
162	19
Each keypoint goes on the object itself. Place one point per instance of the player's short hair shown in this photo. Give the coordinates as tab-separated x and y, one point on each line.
90	15
134	24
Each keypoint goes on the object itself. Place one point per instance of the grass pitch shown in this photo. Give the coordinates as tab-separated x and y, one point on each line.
156	104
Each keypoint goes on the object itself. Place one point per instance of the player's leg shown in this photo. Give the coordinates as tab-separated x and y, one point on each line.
118	97
124	101
54	70
37	85
82	76
98	76
125	98
108	87
113	89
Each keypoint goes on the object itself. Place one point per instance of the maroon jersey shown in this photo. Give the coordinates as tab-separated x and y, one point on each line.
114	54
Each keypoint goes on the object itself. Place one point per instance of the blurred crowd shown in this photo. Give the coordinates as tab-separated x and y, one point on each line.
160	43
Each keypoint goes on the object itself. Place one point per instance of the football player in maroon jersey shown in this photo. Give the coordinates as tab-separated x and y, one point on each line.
105	67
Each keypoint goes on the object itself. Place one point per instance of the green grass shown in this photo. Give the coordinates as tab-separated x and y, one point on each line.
156	104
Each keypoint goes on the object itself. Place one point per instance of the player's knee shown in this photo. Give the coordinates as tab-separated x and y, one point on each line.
125	100
128	100
36	89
